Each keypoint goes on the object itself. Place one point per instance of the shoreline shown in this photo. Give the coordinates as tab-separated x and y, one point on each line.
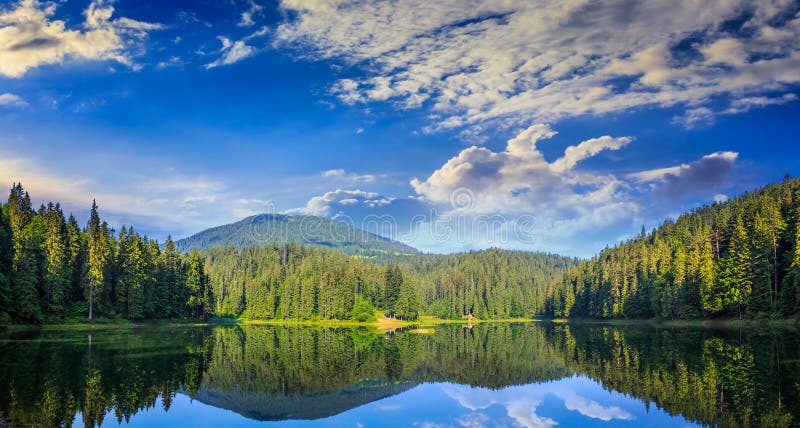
387	323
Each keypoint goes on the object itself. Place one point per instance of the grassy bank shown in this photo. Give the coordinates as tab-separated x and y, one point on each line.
383	323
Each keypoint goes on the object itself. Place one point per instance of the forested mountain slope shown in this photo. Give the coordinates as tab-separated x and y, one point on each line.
300	282
737	258
308	230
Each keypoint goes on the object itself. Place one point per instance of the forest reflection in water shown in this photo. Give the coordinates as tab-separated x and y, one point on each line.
518	374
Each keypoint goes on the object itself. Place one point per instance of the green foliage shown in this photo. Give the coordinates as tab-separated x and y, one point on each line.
485	284
50	270
362	311
736	258
298	282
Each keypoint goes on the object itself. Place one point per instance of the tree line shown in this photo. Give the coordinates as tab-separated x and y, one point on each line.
289	281
52	269
739	258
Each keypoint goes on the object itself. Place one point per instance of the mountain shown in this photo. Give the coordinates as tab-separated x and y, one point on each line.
308	230
740	258
264	407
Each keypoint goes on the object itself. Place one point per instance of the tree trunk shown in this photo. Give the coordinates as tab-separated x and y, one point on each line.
91	301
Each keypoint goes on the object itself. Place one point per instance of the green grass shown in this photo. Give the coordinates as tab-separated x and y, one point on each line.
384	323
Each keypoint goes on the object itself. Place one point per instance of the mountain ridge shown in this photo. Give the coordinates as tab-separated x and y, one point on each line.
265	228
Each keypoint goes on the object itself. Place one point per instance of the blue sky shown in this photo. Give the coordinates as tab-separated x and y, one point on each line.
541	125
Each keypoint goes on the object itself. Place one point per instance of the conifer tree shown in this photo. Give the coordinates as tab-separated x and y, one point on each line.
791	282
19	214
195	286
98	254
25	279
56	270
393	285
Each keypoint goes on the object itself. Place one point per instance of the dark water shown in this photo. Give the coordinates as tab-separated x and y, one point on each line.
529	375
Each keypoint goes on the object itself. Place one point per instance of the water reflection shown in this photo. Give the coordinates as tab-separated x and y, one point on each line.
527	375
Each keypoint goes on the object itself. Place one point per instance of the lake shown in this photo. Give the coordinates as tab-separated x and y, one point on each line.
491	374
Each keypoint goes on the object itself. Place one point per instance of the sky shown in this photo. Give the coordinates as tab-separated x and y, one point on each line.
560	126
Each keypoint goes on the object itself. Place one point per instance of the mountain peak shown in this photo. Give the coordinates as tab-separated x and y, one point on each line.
270	228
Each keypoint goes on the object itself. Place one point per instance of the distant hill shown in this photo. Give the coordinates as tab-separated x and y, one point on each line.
308	230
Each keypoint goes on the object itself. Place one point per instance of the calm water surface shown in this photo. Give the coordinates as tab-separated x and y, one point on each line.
504	375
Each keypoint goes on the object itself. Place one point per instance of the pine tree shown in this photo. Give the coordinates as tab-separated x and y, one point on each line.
25	279
709	295
98	254
170	279
737	273
20	214
791	282
76	243
195	286
768	226
393	285
6	260
57	273
6	243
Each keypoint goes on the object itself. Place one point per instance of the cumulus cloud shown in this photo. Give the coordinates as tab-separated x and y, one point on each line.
30	37
593	409
519	179
482	60
522	402
701	176
12	100
327	204
516	198
394	218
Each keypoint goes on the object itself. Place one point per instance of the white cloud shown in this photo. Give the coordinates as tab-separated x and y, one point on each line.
246	17
482	60
520	180
235	51
522	402
326	205
695	117
173	61
30	37
699	177
232	52
12	100
343	176
515	198
703	115
594	409
745	104
170	202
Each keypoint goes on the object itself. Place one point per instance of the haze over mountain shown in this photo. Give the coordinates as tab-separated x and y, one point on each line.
308	230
